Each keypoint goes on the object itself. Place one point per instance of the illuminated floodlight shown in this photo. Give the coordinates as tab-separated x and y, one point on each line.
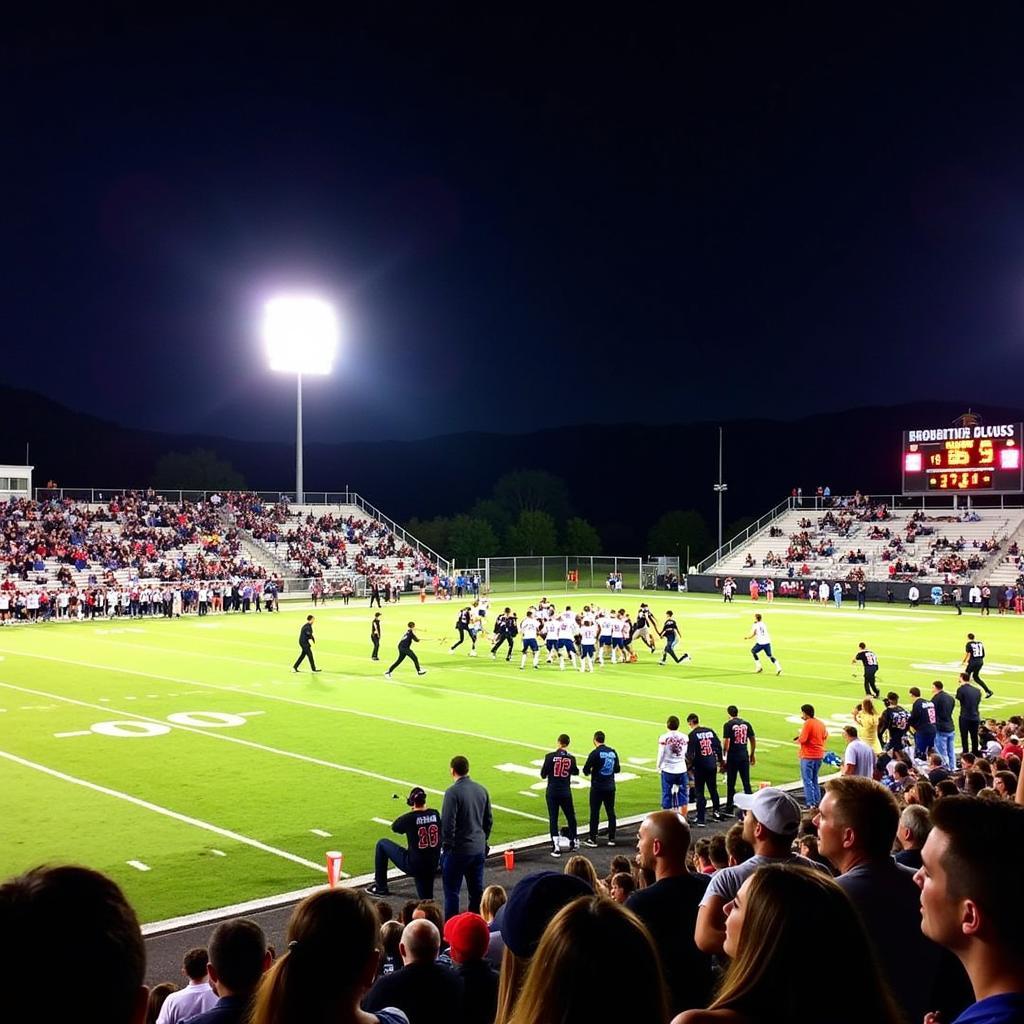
300	333
912	462
1009	458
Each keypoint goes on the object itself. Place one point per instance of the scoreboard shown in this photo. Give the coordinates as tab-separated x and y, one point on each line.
963	460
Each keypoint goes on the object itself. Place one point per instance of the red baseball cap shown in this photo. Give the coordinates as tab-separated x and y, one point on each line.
467	935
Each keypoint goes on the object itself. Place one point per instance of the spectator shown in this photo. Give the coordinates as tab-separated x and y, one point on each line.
196	997
945	731
775	916
579	866
71	924
623	885
737	848
770	826
859	758
465	828
423	989
573	976
467	937
857	823
330	962
971	894
718	852
921	792
390	939
238	959
1005	784
915	824
812	739
531	905
669	907
157	997
493	899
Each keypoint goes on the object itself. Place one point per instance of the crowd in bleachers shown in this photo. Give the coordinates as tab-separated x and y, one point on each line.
318	545
859	538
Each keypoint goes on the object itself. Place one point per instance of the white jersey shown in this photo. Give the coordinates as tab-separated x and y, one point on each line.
823	591
616	628
528	628
672	752
588	634
5	602
761	633
552	630
32	601
604	625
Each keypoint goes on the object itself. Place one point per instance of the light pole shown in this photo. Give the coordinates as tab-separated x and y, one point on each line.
301	335
720	489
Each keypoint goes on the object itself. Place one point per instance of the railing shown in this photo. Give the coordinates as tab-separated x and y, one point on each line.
97	495
897	502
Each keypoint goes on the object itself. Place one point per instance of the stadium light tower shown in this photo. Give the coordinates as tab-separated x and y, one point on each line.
301	335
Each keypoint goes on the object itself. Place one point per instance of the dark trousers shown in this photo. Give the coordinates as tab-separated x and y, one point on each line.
870	686
969	731
602	798
561	802
740	767
375	640
705	777
463	633
375	597
307	652
503	639
386	851
454	868
403	653
974	666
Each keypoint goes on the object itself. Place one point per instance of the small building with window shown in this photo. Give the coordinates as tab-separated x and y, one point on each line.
15	482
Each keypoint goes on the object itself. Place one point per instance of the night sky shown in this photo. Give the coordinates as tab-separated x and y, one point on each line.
525	220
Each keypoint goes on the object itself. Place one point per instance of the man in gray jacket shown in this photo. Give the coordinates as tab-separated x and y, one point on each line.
465	828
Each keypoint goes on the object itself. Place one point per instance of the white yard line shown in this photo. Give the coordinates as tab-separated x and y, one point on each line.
138	865
165	811
321	762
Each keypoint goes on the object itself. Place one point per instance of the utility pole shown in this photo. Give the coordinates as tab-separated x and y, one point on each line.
720	489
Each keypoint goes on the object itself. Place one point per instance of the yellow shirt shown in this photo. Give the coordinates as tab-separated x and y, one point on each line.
868	725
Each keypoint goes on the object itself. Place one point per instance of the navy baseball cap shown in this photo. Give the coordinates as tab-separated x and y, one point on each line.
533	903
417	795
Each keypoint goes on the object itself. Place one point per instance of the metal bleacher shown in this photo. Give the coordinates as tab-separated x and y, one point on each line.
759	552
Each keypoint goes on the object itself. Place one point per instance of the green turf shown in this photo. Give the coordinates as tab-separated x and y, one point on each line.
328	751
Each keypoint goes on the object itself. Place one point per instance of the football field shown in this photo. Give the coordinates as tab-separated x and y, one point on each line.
187	761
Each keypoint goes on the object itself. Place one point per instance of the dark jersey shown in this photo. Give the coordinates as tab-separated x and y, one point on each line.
601	765
975	649
970	702
500	624
669	629
306	634
462	622
895	721
422	831
944	705
704	746
559	766
408	639
641	620
870	661
375	628
922	717
737	731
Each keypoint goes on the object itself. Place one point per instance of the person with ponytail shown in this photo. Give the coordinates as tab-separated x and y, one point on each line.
329	965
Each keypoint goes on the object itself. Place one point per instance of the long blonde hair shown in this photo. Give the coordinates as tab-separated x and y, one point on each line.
784	905
574	975
510	981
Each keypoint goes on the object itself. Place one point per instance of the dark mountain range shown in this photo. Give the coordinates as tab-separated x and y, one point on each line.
620	477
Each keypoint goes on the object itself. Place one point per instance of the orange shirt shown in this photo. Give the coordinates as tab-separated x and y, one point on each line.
812	739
